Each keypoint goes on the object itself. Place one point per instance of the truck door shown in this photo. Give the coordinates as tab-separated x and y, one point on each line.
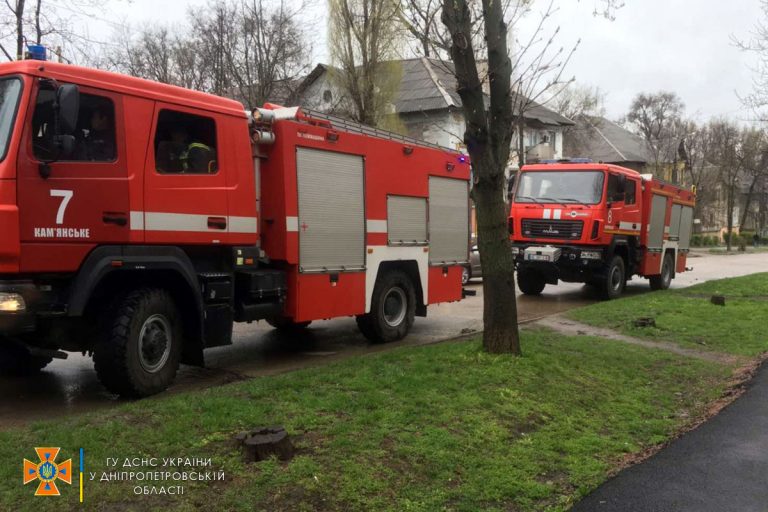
84	202
185	196
623	215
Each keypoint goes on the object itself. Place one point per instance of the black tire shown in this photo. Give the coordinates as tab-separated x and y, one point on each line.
466	275
139	348
663	280
612	285
393	309
285	324
530	282
16	360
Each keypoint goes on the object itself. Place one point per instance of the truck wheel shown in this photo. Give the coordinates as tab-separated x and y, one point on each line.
15	360
663	280
530	282
283	323
612	285
393	309
466	275
139	351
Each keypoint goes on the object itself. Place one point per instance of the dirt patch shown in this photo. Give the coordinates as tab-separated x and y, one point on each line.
573	328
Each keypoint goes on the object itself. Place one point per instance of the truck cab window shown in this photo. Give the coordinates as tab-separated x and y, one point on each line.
630	192
94	135
614	187
185	144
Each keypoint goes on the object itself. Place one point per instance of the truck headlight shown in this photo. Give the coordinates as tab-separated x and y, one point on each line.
11	303
591	255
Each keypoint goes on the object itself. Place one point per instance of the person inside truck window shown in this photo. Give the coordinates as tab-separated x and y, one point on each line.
94	135
170	153
97	142
185	144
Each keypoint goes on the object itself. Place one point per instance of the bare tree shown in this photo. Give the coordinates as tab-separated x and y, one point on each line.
758	45
728	156
363	42
271	53
57	24
573	101
252	51
586	107
754	159
658	118
697	153
421	20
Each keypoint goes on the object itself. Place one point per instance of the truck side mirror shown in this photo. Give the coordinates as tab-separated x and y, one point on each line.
67	108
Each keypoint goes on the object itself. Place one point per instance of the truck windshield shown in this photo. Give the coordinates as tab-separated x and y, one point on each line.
584	187
10	90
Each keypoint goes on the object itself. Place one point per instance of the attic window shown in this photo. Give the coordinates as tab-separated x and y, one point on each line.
327	96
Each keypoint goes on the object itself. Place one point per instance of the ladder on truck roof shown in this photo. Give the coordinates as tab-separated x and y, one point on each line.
350	126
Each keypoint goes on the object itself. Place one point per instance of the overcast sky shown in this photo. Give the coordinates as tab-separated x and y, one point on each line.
678	45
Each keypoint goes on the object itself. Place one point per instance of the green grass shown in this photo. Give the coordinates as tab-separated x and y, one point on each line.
687	317
442	427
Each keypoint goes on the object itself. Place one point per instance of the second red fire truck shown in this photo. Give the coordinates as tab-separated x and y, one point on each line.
599	224
139	220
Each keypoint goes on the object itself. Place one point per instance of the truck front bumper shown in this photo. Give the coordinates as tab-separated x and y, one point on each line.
572	264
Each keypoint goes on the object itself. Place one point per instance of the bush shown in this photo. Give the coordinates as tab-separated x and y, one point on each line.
697	241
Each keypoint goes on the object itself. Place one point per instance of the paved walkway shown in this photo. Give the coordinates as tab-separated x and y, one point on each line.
722	466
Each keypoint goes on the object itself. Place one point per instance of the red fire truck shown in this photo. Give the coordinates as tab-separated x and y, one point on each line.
581	222
140	220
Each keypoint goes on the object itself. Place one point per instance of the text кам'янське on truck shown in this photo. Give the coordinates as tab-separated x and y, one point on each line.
140	220
598	224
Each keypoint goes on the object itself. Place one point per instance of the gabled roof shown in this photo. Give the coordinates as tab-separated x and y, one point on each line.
605	141
429	85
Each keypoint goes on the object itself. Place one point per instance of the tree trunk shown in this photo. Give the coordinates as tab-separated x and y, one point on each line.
729	220
748	201
499	305
488	136
19	12
38	29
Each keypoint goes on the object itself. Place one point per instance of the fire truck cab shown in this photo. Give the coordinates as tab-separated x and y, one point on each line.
600	224
139	220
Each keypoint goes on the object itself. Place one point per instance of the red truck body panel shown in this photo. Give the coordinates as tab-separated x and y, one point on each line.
51	225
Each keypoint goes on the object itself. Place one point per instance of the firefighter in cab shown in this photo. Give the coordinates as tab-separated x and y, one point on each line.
181	154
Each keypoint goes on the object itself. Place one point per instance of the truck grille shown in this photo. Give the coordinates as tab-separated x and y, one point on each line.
561	229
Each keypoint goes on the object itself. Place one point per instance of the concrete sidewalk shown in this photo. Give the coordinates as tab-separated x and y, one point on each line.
721	466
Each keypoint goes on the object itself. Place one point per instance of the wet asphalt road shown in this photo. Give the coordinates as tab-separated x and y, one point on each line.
70	386
721	466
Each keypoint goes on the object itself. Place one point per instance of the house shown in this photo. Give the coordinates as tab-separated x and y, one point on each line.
603	140
428	107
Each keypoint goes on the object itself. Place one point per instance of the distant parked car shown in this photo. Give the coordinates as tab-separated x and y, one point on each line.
473	269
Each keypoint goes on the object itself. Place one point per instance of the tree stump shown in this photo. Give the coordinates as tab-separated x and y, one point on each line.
263	443
718	300
645	322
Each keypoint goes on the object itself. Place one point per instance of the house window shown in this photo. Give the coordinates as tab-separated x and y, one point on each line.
327	96
185	144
